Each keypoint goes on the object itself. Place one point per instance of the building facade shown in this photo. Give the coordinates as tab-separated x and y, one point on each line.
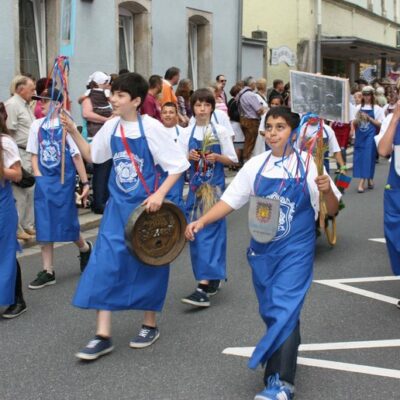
353	35
146	36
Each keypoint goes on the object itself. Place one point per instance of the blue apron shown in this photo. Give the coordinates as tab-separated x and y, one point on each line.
365	149
56	215
8	244
282	269
176	193
208	250
114	278
392	210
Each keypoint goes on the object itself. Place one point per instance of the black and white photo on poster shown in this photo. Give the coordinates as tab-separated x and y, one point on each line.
325	96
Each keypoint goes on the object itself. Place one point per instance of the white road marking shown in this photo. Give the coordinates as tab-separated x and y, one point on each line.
367	344
347	367
340	284
379	240
360	280
335	365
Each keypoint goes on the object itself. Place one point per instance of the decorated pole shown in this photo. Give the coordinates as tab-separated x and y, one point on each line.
317	143
60	77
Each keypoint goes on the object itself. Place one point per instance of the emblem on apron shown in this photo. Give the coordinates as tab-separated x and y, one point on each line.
263	218
125	174
50	154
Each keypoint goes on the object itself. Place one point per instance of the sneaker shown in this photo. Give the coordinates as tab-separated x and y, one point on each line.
276	390
198	298
96	348
84	257
43	279
14	310
146	337
213	287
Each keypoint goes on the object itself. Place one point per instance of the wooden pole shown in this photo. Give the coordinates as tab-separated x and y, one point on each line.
64	131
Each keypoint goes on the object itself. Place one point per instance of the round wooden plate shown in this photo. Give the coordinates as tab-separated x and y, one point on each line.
156	238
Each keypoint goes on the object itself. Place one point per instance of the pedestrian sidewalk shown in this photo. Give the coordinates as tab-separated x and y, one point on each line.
89	220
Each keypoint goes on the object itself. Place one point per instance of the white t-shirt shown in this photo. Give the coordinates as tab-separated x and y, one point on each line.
384	128
175	136
33	138
261	128
222	118
327	134
379	114
164	150
242	187
10	151
224	138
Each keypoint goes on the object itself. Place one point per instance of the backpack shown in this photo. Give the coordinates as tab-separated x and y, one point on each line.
233	110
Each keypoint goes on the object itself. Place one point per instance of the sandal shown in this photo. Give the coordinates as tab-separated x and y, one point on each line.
360	190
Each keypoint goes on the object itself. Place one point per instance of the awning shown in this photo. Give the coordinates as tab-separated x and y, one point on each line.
356	49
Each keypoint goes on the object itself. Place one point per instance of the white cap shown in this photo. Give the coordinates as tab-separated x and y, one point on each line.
99	77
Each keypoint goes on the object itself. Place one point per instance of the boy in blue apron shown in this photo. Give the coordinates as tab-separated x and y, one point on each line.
281	268
389	144
115	279
208	251
10	271
56	215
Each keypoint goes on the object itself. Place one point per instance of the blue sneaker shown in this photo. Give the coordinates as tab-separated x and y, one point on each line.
146	337
96	348
276	390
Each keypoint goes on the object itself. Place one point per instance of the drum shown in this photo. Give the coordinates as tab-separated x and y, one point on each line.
156	238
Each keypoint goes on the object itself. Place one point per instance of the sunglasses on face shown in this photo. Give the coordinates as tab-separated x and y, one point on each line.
222	81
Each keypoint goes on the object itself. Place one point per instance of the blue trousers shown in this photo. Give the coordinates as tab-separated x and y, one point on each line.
284	360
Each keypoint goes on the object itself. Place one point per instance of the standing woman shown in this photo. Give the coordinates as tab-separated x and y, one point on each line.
10	271
389	144
367	124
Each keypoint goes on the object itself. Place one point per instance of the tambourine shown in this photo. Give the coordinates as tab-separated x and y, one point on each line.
156	238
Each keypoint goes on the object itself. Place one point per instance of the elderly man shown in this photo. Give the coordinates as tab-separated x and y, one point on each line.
250	110
19	121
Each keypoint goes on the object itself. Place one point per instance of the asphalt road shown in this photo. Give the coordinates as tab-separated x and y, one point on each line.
37	349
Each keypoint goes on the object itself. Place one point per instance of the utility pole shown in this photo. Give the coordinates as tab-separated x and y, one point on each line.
318	61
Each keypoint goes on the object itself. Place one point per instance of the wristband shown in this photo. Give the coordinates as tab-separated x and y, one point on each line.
85	183
343	168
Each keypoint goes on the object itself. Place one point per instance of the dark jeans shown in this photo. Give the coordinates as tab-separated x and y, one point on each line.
101	173
284	360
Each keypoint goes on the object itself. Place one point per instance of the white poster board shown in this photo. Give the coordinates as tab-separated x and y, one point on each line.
326	96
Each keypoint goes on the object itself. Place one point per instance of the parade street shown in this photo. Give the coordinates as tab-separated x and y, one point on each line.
202	354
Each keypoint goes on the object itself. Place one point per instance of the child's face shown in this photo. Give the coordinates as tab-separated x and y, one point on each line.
45	106
122	103
202	111
275	103
169	117
277	133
